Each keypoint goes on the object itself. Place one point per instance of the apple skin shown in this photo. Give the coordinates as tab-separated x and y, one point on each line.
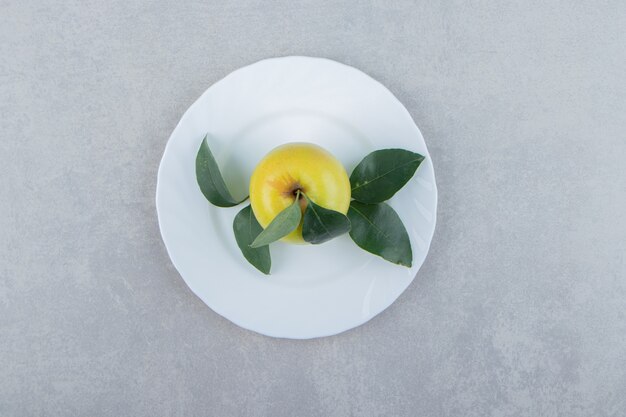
304	166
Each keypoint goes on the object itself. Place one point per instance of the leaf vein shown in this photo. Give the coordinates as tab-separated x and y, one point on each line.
379	230
385	173
317	215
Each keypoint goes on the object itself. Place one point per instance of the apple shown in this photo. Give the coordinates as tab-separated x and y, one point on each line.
294	167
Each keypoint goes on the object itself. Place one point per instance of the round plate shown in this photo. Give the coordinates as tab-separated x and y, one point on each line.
312	291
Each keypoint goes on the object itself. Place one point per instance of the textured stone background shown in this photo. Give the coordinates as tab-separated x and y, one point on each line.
519	310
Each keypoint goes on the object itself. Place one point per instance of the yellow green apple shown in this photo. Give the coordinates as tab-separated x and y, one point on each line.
294	167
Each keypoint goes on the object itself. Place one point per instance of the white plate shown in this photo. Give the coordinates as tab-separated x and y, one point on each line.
313	291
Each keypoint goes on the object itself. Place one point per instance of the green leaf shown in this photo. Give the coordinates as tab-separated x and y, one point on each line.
284	223
210	179
246	229
382	173
321	224
378	229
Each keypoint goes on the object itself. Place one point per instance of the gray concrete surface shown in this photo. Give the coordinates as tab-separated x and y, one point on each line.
519	310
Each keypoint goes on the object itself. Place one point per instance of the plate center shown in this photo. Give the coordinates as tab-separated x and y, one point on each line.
293	265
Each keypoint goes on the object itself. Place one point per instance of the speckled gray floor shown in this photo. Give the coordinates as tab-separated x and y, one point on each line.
519	310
